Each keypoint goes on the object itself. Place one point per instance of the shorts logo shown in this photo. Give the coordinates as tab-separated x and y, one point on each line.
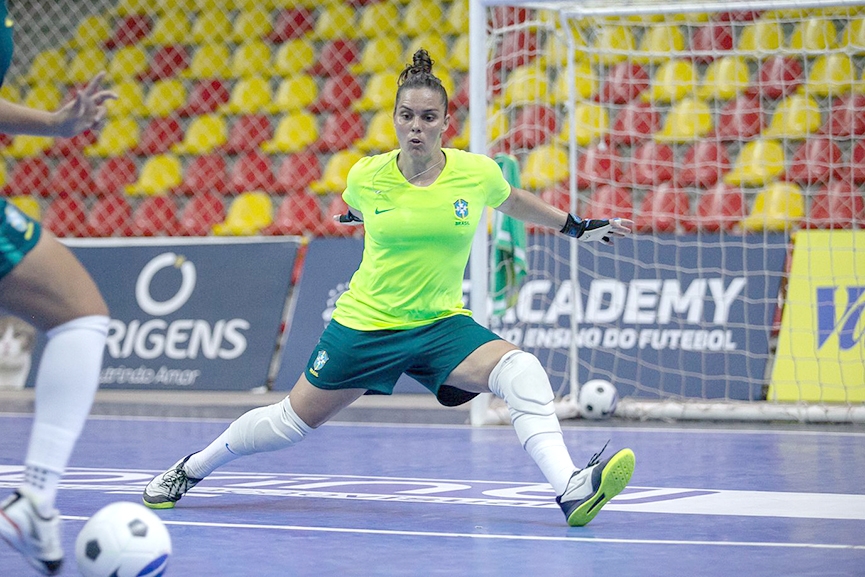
15	218
320	360
461	209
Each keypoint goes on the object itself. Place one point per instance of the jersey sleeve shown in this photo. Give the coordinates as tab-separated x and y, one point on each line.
496	187
351	194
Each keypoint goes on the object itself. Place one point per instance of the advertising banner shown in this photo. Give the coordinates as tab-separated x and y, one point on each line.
821	346
190	314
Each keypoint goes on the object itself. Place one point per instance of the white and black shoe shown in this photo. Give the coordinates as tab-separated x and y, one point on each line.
34	536
591	488
167	488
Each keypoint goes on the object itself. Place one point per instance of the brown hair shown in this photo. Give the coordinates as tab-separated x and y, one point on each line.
419	74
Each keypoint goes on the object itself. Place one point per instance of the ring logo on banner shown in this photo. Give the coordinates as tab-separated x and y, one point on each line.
142	286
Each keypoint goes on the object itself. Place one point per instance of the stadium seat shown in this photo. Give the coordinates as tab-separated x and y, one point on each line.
611	43
759	162
778	77
740	119
609	201
47	66
592	123
247	133
795	117
114	174
598	165
292	58
91	32
294	132
171	28
761	38
517	48
721	208
380	54
853	37
130	99
251	60
132	7
335	58
378	94
296	172
29	176
711	41
252	170
298	214
28	146
674	80
86	64
688	120
846	117
294	94
29	206
206	97
165	97
210	60
290	24
651	164
659	43
497	128
159	174
339	131
778	206
526	85
456	18
377	19
814	35
534	125
251	24
65	217
545	166
199	215
159	135
335	172
624	82
857	162
204	173
248	214
338	93
816	161
725	79
110	215
420	16
335	21
156	216
119	136
585	84
458	58
703	164
248	96
204	134
663	209
74	145
329	227
72	175
831	75
634	123
211	26
838	204
129	30
560	197
43	96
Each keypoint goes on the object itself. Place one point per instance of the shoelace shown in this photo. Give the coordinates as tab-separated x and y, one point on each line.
176	480
596	458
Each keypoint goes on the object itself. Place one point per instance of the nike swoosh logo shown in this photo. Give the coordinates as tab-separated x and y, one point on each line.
377	211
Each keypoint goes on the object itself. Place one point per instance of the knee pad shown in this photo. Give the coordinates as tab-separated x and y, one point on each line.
267	428
95	323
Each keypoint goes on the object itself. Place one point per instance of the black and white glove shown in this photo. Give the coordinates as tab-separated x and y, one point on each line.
348	218
594	229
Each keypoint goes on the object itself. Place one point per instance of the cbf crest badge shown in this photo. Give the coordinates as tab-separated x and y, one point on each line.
320	360
461	209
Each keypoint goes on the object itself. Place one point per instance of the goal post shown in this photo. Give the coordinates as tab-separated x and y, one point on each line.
733	134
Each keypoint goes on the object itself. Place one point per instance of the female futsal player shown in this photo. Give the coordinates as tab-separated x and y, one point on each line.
403	311
42	282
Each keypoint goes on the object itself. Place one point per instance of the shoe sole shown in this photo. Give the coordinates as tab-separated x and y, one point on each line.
44	567
166	505
615	477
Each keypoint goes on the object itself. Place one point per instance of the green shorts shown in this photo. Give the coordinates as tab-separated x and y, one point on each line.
350	359
18	235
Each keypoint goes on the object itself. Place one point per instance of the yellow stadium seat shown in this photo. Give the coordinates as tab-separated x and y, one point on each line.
380	134
660	43
130	99
796	117
165	6
127	63
28	205
725	79
248	96
592	122
433	43
378	94
545	166
831	74
27	146
814	35
86	64
555	52
130	7
612	44
293	57
294	93
294	133
379	19
44	97
158	176
47	66
585	85
209	61
206	133
170	28
251	24
456	20
164	97
779	206
853	38
421	16
692	17
336	21
380	54
247	215
759	162
335	172
91	32
761	38
674	80
211	26
526	84
497	126
688	120
3	173
10	92
117	137
252	58
459	54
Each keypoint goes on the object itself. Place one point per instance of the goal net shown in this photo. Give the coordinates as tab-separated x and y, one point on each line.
733	134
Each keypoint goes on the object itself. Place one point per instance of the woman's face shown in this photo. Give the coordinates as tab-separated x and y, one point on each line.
420	119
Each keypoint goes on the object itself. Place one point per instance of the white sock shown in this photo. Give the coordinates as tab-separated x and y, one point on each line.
66	383
263	429
548	450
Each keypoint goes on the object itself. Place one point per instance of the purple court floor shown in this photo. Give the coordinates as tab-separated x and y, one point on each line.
427	500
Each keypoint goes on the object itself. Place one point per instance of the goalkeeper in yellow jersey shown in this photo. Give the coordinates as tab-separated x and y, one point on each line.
403	311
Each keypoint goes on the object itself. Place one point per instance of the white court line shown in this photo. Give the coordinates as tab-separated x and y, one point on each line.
503	536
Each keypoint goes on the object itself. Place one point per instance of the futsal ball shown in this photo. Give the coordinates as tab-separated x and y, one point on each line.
123	539
598	399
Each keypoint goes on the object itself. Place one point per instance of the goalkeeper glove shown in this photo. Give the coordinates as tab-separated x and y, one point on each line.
589	229
348	218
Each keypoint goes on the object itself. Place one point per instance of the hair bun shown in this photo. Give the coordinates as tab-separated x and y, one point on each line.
421	61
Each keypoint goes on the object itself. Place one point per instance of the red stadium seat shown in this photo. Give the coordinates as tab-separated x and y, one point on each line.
624	83
534	125
204	173
502	16
200	214
337	94
634	123
710	41
779	76
335	58
156	216
206	96
837	205
66	216
332	228
167	62
738	16
296	172
846	116
74	145
29	177
252	171
609	201
73	174
291	23
816	161
517	48
339	131
740	119
247	133
159	136
720	208
560	197
651	164
114	174
664	209
598	165
857	162
129	30
110	215
298	214
703	164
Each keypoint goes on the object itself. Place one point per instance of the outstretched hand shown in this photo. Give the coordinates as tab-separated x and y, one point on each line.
604	230
85	111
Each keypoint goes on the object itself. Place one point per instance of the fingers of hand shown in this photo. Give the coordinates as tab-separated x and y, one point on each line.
94	84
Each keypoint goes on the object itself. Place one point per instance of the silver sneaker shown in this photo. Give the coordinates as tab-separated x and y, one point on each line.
605	479
167	488
34	536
